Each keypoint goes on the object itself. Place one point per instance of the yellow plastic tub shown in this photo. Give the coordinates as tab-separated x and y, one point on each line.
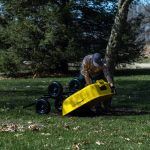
90	95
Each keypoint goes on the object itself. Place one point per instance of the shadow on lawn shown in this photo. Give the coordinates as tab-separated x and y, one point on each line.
16	98
132	98
112	112
126	112
133	94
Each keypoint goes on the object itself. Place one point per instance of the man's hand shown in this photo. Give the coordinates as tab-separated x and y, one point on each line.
113	89
111	84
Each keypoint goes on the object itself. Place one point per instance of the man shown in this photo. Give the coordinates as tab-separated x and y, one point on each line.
94	68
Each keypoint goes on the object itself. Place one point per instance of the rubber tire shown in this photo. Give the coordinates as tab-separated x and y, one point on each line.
43	106
75	85
55	89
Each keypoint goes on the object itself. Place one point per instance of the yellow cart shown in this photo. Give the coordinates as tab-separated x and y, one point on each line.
89	95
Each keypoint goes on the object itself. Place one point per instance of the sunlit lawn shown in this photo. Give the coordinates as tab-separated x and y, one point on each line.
145	60
127	127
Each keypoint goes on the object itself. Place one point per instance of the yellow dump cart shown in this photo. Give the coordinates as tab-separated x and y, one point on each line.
89	95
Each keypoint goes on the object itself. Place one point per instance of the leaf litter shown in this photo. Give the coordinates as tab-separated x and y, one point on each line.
12	127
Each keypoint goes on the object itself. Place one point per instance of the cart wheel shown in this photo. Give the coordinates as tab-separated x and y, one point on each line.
43	106
58	104
75	85
55	89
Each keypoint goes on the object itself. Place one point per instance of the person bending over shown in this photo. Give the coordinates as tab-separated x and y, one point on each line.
94	68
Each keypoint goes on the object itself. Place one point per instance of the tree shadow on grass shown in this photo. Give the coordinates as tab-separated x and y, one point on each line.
113	112
133	98
126	112
133	94
12	99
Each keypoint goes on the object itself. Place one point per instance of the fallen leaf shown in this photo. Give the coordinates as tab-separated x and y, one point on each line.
34	127
76	128
60	138
29	122
139	143
17	135
9	128
127	139
46	134
99	143
76	146
66	126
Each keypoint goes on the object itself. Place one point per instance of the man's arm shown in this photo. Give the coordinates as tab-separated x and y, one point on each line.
85	70
86	75
108	76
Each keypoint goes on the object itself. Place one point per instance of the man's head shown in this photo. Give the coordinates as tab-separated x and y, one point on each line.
97	60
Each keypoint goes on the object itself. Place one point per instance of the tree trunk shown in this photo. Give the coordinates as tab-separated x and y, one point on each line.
116	34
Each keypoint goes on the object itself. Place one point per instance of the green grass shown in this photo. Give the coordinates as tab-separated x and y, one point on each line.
128	127
145	60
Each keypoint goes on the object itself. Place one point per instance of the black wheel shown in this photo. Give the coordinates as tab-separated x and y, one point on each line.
58	104
75	85
43	106
55	89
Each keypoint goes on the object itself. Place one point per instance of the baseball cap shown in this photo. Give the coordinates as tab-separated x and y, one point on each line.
97	60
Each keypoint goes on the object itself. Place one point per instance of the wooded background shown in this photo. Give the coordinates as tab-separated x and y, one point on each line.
50	34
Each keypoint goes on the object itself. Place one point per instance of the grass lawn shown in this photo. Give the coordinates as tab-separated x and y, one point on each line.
145	60
128	127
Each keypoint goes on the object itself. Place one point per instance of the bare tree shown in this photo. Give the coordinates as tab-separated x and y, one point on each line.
116	33
146	11
146	25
